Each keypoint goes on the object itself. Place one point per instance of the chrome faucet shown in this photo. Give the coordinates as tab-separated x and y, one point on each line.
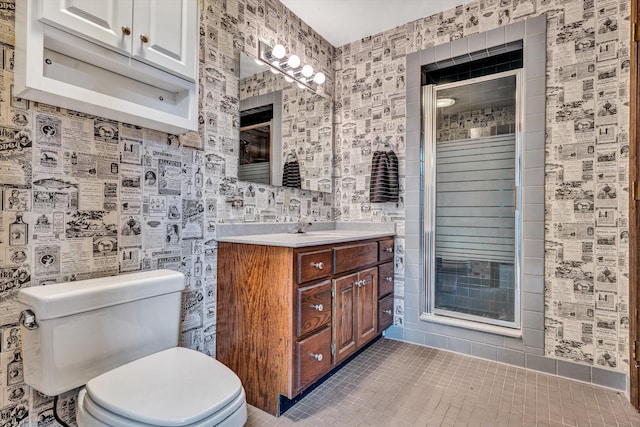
301	227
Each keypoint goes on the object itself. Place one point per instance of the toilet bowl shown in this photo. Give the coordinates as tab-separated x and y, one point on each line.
118	337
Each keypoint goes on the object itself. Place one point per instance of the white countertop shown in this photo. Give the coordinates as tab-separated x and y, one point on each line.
310	238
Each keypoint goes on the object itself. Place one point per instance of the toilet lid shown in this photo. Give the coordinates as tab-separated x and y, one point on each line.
174	387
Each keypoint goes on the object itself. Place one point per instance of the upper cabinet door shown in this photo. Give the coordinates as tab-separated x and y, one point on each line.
167	35
106	22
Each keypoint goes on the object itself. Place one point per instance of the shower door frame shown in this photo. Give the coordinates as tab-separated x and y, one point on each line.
427	252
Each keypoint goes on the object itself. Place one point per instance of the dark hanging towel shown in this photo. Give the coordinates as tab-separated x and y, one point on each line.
291	172
385	181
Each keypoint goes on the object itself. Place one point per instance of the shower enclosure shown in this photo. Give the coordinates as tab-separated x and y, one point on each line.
472	198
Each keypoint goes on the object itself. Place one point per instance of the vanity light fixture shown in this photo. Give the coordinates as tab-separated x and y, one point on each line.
290	66
279	51
307	71
319	78
445	102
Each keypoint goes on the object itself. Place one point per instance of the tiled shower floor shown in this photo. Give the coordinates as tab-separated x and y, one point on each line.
399	384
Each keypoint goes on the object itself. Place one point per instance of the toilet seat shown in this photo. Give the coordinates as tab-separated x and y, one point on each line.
92	415
177	387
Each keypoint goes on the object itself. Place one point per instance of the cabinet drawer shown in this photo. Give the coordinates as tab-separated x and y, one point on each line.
385	313
314	307
314	265
385	250
314	358
355	256
385	279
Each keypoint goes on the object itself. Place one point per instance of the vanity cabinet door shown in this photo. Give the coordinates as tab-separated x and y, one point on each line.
314	358
356	312
313	265
344	321
367	306
101	21
314	307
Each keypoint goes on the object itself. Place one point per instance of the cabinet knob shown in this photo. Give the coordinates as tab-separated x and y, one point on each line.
318	265
388	249
389	279
126	30
387	312
317	356
318	307
144	38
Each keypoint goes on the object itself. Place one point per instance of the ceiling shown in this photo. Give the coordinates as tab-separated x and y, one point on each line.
345	21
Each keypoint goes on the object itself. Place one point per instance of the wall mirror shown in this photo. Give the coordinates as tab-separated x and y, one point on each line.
286	131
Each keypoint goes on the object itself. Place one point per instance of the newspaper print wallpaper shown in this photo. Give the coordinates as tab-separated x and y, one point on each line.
85	196
586	149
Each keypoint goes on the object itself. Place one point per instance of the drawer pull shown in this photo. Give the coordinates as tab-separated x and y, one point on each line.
387	312
389	250
126	30
389	279
318	307
318	265
144	38
317	356
364	282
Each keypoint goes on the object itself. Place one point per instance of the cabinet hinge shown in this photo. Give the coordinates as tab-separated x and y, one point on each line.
333	293
634	356
333	349
635	191
635	36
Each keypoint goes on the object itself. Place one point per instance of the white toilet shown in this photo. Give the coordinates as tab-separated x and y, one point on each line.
119	336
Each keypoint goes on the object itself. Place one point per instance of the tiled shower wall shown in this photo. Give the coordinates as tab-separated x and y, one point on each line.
89	193
585	289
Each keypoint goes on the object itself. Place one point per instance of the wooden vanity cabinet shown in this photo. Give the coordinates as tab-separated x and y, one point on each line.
288	316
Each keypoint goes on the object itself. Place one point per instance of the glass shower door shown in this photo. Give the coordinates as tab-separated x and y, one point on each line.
471	208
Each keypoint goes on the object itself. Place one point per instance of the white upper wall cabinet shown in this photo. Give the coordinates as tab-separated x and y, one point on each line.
160	33
130	60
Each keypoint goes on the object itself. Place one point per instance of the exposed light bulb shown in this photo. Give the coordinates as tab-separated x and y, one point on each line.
307	71
287	78
274	71
445	102
293	61
279	51
319	78
301	86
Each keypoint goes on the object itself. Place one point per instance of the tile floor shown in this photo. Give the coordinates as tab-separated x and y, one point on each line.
399	384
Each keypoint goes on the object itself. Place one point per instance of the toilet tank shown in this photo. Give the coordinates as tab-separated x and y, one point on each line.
89	327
